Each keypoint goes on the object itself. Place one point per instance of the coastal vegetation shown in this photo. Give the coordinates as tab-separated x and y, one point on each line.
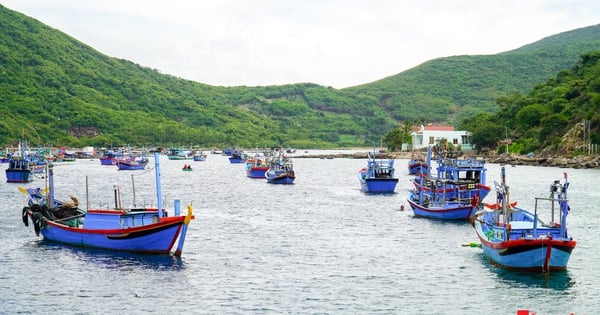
59	91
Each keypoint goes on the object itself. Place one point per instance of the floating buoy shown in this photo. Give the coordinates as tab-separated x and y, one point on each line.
471	244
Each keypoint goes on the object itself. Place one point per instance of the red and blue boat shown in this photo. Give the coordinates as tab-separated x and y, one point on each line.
454	193
132	164
453	171
515	238
417	165
111	157
378	176
139	230
281	170
256	167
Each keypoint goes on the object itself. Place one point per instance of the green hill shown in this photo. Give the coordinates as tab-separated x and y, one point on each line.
453	88
560	117
60	91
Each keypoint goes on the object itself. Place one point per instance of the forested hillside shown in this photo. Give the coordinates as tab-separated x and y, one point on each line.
560	117
453	88
57	90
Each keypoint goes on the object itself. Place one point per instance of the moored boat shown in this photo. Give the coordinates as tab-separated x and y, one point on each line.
20	167
236	157
417	165
179	154
199	156
140	230
437	206
454	193
281	170
132	164
378	176
453	170
257	166
516	238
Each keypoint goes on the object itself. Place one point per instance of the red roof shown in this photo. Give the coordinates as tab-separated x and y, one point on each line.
439	128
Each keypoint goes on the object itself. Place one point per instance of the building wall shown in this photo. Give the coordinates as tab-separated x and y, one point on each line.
424	138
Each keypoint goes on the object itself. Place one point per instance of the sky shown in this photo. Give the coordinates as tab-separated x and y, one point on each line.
336	43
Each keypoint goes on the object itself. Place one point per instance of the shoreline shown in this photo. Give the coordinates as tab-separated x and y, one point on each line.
576	162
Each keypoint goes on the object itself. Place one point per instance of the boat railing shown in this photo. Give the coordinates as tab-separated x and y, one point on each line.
464	163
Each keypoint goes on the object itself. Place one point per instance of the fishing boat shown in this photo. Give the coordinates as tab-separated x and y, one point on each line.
19	170
236	157
187	168
199	156
438	206
132	164
281	170
20	167
417	165
516	238
378	175
110	158
454	193
139	230
179	154
257	166
453	170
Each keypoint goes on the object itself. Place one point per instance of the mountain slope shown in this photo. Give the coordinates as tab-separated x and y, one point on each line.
450	89
60	91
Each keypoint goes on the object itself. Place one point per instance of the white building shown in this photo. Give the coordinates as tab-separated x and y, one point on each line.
425	136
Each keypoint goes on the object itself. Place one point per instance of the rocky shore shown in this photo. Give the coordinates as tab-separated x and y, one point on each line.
566	162
577	162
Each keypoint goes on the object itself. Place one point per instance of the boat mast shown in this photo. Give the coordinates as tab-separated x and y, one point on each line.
158	186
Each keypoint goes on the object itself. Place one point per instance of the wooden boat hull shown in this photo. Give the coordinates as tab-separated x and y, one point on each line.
125	166
178	157
235	160
446	211
378	185
256	171
108	161
282	179
527	253
18	176
156	238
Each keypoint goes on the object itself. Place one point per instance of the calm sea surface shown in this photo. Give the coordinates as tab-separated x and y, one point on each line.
318	246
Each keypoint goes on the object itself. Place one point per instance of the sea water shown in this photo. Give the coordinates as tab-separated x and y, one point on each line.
317	246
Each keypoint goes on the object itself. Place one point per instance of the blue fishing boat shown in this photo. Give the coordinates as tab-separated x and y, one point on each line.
378	176
140	230
281	170
257	166
454	193
132	165
111	157
417	165
20	167
452	171
19	170
236	157
199	156
516	238
437	206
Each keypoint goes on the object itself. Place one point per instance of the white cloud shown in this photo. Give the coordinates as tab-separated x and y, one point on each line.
330	42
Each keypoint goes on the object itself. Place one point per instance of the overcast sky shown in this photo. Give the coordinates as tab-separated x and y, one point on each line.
338	43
